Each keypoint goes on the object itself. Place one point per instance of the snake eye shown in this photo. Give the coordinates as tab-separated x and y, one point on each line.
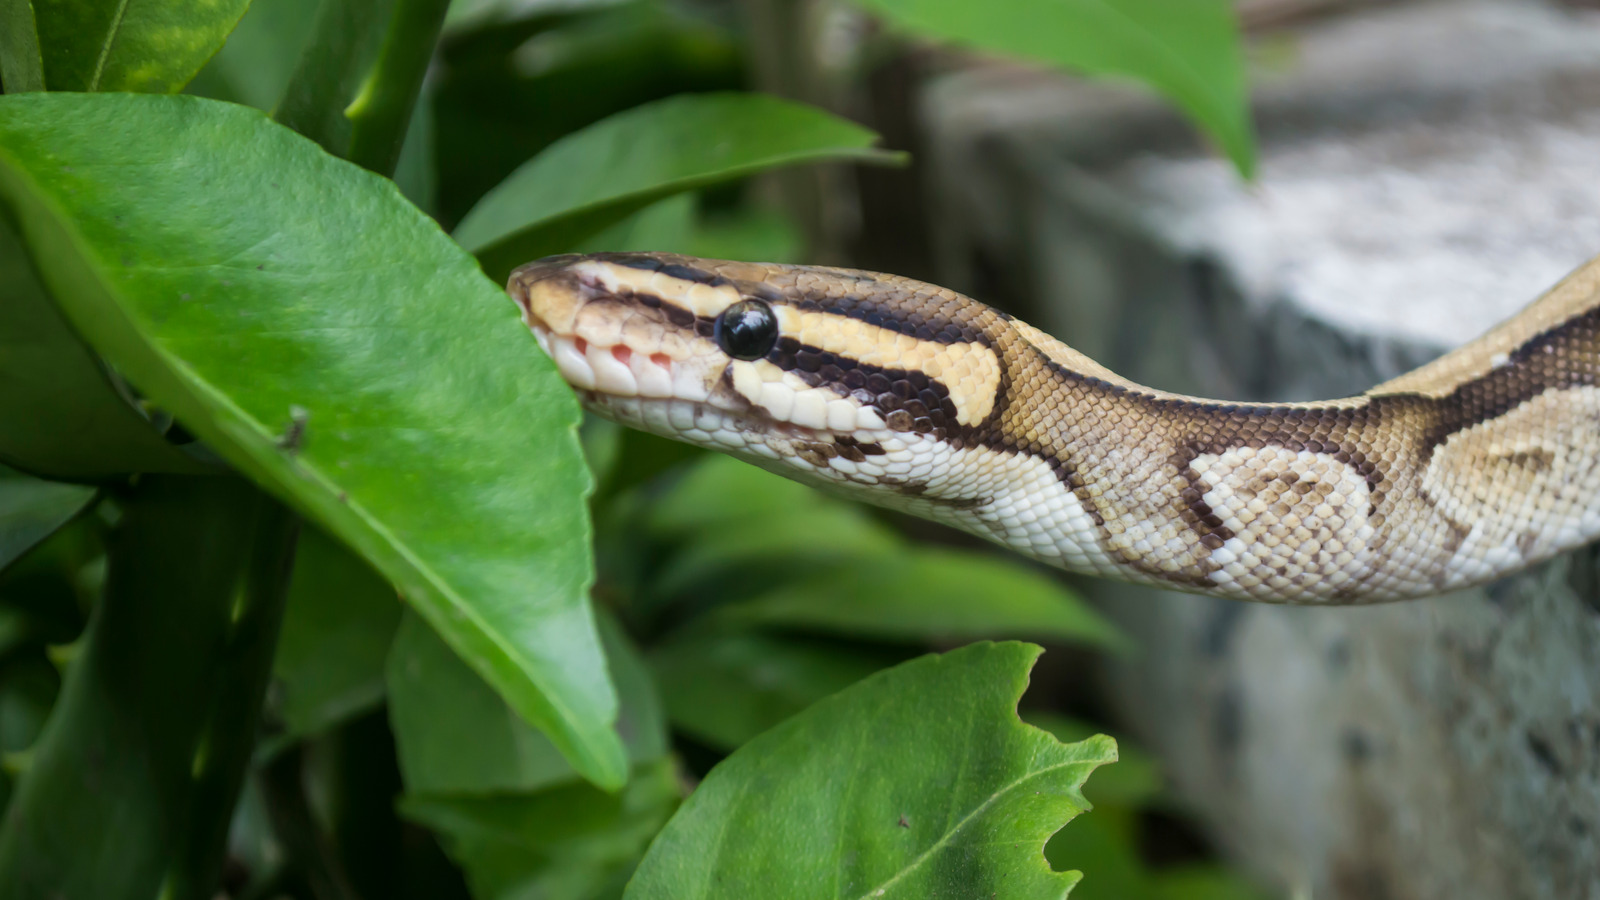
747	330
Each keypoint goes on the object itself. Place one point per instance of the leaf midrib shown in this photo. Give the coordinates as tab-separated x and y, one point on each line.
110	41
881	889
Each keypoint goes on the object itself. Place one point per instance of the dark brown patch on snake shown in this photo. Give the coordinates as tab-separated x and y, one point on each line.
1559	358
856	451
678	270
907	400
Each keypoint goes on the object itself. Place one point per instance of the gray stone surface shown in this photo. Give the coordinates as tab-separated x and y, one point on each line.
1426	170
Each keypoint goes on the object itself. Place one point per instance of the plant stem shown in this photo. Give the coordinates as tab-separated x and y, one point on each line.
134	779
357	84
381	113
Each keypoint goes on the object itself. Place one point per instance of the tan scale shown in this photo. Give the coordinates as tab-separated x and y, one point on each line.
915	397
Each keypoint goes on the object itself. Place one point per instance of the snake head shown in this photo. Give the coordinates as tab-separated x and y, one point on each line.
816	369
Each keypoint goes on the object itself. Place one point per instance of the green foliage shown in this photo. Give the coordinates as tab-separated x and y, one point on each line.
205	306
779	819
340	619
123	775
32	510
21	63
192	300
570	841
66	416
115	45
598	176
928	595
724	689
434	699
1186	49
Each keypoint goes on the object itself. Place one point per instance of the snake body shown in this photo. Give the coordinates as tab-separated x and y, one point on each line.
916	397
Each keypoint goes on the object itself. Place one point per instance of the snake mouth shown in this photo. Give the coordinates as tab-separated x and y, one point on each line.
614	370
550	290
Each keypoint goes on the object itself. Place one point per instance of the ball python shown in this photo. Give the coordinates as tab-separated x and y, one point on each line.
918	398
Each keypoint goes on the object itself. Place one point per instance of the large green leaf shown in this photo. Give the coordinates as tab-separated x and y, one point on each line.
310	325
435	700
1189	50
32	510
598	176
130	45
930	594
918	782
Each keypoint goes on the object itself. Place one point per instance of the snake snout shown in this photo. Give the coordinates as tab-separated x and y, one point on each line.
549	292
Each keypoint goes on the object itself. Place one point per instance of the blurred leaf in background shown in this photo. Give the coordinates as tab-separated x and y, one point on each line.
1188	50
598	176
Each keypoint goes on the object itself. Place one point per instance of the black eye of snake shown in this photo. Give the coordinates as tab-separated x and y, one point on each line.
747	330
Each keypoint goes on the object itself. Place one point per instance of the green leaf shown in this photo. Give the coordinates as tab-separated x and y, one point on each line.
21	64
143	755
862	818
1135	780
598	176
570	841
722	491
725	514
120	45
792	545
32	510
64	416
341	619
326	338
260	56
930	594
28	688
435	700
724	689
755	235
357	83
339	55
1188	50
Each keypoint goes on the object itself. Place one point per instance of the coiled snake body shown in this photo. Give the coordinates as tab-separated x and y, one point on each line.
915	397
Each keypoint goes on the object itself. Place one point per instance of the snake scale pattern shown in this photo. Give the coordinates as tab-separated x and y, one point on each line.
915	397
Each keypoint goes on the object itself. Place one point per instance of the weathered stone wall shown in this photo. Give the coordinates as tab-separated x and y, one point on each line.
1426	170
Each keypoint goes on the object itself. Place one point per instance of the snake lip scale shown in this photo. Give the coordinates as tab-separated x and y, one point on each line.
918	398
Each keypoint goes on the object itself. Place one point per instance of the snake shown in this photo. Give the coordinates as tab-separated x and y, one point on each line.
917	398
